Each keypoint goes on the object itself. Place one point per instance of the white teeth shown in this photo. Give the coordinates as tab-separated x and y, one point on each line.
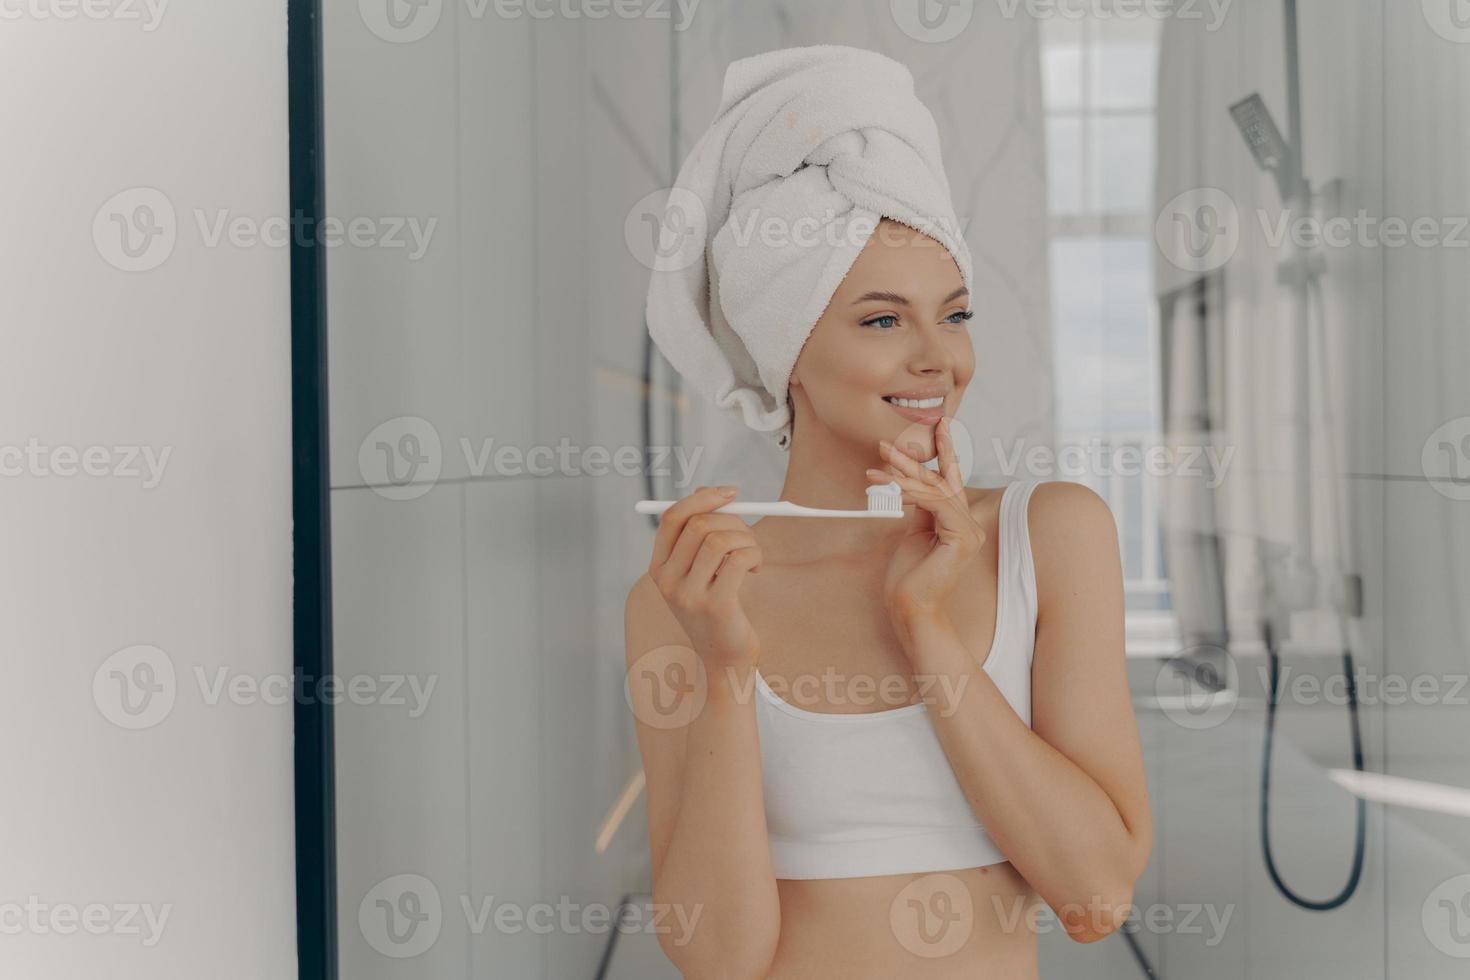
917	402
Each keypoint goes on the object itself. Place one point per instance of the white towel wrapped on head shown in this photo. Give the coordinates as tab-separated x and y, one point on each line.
810	148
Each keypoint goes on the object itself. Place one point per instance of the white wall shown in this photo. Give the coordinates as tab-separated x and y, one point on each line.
1426	544
190	814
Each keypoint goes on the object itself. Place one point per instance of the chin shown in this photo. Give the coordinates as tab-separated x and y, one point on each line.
915	439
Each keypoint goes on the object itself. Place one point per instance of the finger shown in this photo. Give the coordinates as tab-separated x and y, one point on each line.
904	464
733	572
716	546
696	529
949	464
932	486
671	524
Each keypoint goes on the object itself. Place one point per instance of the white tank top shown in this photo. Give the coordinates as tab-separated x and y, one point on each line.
852	795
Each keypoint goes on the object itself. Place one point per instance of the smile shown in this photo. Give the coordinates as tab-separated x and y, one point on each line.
928	410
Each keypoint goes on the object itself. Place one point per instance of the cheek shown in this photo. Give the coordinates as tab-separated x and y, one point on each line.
964	361
857	371
847	394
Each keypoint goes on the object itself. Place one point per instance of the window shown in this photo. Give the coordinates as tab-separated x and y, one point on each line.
1098	77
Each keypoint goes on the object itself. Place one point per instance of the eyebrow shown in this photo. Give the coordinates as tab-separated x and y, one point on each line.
896	298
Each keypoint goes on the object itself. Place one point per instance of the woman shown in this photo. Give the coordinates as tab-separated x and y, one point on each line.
970	750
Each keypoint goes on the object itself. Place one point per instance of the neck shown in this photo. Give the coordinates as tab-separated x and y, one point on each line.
827	471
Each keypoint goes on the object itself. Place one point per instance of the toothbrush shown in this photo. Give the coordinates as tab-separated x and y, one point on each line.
883	501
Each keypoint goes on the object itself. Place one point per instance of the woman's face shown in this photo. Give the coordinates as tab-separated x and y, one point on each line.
891	354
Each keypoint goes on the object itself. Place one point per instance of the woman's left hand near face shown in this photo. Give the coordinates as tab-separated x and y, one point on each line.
928	563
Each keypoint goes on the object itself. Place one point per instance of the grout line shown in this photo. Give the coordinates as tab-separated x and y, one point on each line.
537	311
465	694
1385	838
464	604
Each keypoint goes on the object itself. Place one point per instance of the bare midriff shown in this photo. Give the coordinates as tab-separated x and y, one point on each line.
975	922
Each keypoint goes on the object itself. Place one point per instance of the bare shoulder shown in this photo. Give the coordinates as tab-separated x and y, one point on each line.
1061	507
1074	537
648	622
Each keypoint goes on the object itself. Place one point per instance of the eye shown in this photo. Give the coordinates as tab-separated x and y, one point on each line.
962	314
875	321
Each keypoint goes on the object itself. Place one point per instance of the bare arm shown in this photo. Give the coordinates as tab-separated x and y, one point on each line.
697	736
1065	799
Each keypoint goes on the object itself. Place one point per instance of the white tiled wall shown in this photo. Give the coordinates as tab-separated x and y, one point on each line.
402	807
521	327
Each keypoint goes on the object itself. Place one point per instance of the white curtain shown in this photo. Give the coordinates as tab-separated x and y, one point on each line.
1236	379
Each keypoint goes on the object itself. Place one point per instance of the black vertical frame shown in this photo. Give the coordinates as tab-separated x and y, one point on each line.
316	850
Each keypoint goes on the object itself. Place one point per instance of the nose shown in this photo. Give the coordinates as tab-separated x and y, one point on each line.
932	354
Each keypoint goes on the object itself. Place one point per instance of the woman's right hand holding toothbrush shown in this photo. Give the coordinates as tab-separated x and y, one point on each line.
699	561
707	835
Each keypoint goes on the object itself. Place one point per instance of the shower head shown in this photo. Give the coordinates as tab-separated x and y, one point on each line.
1266	143
1260	131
